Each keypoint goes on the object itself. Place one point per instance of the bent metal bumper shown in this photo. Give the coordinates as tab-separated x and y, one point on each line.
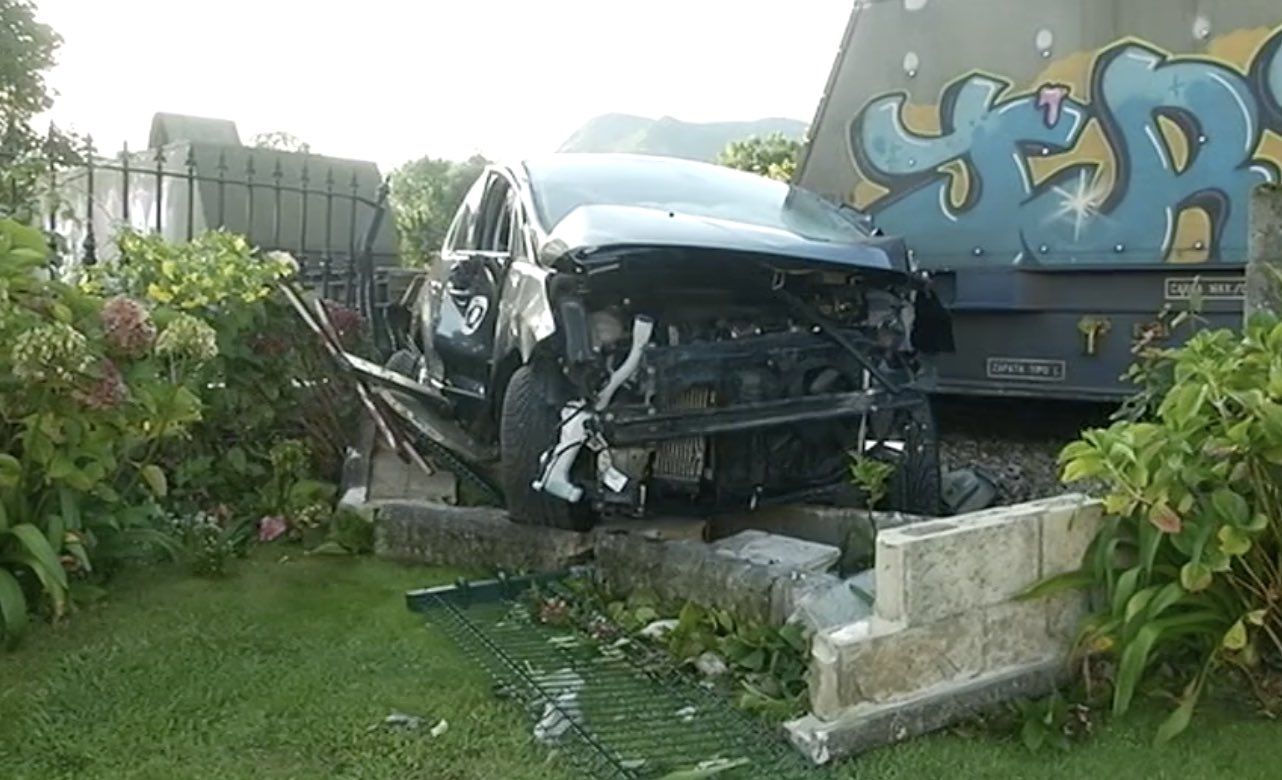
626	426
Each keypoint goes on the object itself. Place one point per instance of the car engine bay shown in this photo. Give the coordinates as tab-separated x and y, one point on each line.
731	384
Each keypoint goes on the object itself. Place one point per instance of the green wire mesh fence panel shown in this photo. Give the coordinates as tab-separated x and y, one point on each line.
610	714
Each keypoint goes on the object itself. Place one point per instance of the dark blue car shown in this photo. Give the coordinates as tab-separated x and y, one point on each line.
616	334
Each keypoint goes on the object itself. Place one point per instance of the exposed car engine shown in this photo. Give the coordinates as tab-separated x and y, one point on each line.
673	385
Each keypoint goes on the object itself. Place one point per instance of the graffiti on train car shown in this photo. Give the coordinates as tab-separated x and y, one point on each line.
1151	159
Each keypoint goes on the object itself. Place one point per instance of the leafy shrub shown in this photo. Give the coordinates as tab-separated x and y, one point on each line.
350	533
872	477
1052	721
774	155
770	663
87	400
172	383
209	540
269	383
1189	568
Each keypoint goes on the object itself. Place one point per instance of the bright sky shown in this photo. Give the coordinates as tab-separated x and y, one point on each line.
392	80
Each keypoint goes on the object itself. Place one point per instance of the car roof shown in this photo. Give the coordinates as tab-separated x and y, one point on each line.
571	163
590	201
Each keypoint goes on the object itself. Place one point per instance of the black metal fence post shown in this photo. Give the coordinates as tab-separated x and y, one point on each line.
304	180
124	182
160	188
53	188
249	199
327	259
277	173
349	289
372	311
221	171
191	191
90	243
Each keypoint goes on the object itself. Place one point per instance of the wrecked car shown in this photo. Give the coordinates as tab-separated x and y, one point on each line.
623	335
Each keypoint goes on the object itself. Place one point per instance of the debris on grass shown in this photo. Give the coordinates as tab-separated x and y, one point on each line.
562	709
710	664
705	769
399	720
658	629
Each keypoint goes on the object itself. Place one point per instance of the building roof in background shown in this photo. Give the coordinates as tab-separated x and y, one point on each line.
167	128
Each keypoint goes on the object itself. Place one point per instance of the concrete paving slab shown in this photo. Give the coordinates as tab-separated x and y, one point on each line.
770	549
664	529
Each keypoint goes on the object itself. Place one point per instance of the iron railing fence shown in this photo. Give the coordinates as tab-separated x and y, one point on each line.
329	213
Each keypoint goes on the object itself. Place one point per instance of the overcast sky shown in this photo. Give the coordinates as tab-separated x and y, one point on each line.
391	81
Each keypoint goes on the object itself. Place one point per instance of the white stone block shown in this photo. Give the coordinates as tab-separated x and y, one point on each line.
945	568
1064	615
874	662
888	577
1068	527
1017	633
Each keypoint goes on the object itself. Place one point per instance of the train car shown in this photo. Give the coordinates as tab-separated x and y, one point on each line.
1067	169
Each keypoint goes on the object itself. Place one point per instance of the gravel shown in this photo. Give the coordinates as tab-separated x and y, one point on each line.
1016	442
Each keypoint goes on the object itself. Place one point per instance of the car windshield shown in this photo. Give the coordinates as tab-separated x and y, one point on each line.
566	182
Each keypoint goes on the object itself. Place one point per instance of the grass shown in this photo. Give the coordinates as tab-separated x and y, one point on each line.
276	672
281	670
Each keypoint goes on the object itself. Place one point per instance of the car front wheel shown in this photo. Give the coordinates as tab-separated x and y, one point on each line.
530	424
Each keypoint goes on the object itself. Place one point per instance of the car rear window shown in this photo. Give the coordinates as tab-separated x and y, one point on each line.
566	182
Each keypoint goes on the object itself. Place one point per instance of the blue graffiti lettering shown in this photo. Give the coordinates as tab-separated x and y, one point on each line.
1078	215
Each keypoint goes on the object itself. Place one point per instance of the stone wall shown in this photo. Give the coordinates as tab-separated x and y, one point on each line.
949	632
437	534
685	570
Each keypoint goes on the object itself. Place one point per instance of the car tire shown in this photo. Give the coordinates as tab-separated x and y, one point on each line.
915	486
529	423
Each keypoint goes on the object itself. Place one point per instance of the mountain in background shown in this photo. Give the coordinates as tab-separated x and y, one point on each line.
671	137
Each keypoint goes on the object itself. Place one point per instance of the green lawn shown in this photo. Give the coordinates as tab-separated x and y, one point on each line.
280	670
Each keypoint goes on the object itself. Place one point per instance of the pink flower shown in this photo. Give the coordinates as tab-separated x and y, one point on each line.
107	391
271	528
127	327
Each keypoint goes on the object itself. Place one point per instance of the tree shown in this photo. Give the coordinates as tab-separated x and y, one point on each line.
281	141
774	155
27	49
425	194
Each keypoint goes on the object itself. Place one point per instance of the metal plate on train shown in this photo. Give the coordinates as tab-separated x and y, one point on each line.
1184	288
1027	369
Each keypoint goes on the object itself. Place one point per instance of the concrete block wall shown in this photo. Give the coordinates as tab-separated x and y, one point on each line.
946	620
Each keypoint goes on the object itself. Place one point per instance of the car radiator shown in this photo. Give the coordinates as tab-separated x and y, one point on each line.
682	460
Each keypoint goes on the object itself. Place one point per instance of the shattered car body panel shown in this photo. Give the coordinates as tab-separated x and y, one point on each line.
693	335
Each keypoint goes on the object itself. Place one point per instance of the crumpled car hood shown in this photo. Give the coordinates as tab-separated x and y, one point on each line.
589	229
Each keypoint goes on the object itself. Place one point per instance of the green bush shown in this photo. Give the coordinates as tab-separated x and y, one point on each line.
88	398
269	383
173	384
1189	567
773	156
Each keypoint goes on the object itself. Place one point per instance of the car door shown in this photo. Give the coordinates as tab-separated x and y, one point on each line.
467	285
